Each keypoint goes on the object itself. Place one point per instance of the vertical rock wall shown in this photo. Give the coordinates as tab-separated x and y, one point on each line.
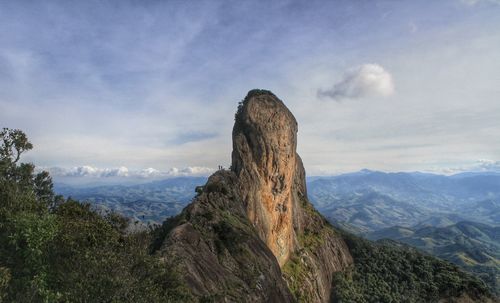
264	159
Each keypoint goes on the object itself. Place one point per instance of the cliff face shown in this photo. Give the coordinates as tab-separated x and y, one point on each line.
217	250
265	161
272	183
251	234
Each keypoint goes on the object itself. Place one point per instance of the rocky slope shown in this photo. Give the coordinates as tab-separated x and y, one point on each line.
252	235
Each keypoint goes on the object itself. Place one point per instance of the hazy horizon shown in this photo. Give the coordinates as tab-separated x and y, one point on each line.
90	176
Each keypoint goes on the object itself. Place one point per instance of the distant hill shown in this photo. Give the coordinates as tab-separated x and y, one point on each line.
149	202
368	210
371	200
473	246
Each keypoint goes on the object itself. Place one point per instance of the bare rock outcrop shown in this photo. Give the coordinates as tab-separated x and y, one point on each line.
264	159
216	248
251	235
272	183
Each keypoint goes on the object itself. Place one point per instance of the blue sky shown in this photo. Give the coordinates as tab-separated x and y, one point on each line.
143	85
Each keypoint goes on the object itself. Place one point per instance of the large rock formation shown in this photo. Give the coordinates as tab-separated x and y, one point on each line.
265	161
251	235
272	183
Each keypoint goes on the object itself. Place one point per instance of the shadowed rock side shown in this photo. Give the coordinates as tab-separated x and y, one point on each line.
219	252
251	235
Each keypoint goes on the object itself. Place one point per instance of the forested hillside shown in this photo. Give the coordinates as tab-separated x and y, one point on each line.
473	246
390	272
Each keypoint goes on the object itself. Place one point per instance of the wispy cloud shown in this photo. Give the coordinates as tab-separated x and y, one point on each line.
367	80
187	137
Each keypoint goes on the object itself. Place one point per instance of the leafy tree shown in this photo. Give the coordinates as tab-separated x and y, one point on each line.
53	250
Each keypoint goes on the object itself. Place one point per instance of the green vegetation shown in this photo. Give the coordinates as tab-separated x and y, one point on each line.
55	250
296	272
475	247
388	272
297	269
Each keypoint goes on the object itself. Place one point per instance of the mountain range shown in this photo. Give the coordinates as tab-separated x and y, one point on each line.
150	202
370	200
365	201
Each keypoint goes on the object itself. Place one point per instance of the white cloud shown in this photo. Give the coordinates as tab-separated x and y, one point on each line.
189	171
487	165
149	172
87	171
368	80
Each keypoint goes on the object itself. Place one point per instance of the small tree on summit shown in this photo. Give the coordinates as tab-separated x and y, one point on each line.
14	143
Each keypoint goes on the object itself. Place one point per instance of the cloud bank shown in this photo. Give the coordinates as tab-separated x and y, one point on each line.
88	172
367	80
478	166
482	165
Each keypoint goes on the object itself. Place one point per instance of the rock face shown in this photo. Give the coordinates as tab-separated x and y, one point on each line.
251	235
219	252
265	161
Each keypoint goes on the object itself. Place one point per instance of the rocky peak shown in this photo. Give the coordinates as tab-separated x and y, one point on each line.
265	160
251	234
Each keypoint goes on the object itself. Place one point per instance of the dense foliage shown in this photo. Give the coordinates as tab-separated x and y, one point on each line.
473	246
388	272
53	250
